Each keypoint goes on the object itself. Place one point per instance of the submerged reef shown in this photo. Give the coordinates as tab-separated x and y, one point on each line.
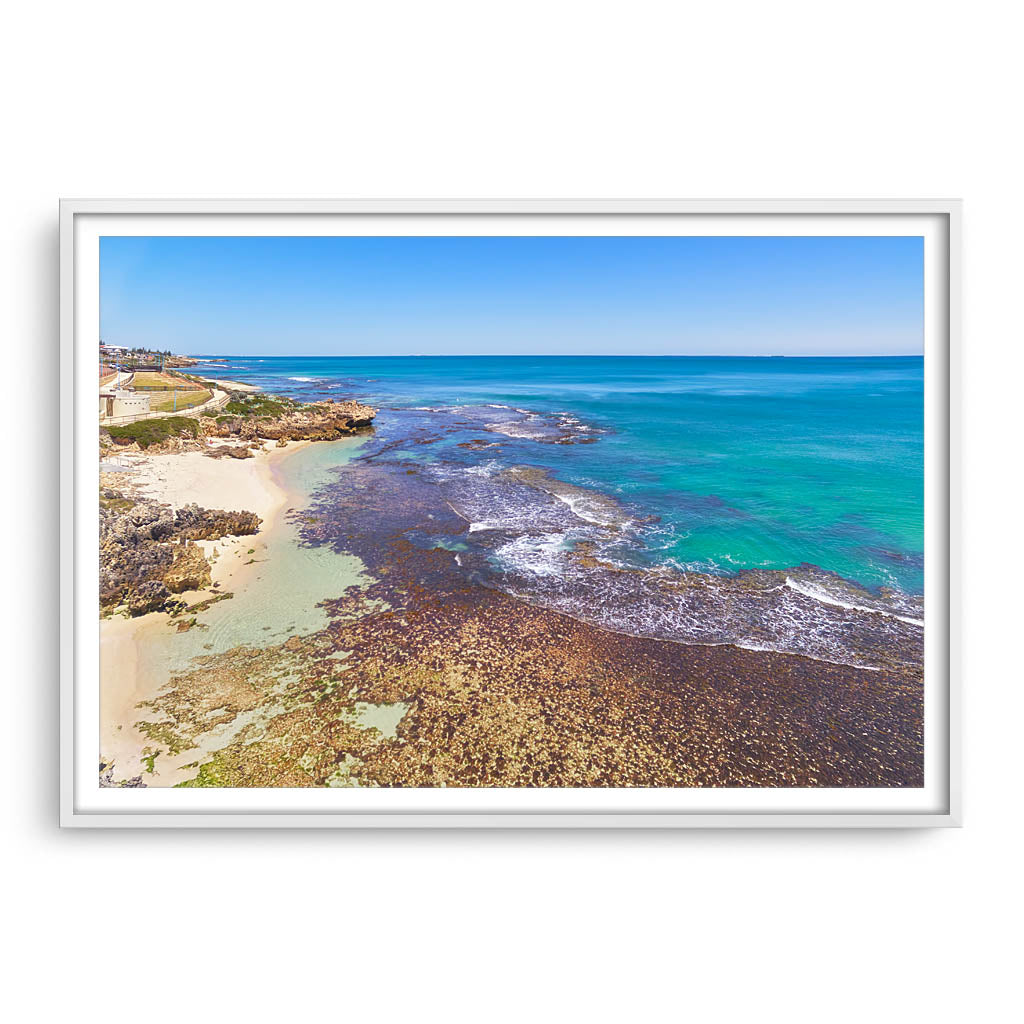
427	676
489	691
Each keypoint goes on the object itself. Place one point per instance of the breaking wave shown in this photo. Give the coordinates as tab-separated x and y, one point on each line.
579	552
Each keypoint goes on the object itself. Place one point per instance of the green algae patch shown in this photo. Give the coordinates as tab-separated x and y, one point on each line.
208	777
201	606
254	765
164	733
117	504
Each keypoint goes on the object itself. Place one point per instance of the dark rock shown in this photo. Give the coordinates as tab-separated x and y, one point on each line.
147	597
107	779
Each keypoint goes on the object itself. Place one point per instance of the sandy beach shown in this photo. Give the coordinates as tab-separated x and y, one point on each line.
359	634
232	484
234	385
132	649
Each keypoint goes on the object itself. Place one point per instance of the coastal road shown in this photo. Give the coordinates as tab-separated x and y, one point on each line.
120	379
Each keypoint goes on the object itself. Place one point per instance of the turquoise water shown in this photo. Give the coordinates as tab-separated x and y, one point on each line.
771	503
747	463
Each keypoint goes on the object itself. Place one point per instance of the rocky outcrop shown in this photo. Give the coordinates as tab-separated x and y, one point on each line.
148	596
194	523
316	421
145	554
168	446
189	571
132	548
248	418
107	779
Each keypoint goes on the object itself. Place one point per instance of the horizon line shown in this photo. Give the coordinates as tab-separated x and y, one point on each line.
561	355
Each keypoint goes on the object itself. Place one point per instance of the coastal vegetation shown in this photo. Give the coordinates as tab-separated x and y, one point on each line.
275	418
145	433
260	404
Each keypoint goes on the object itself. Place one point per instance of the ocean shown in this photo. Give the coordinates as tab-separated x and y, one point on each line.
774	503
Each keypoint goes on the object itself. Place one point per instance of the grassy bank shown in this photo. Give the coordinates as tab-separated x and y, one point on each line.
148	432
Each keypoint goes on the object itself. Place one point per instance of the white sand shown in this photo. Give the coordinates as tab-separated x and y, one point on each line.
278	588
232	385
232	484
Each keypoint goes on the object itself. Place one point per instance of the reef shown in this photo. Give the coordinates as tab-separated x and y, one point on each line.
107	781
483	689
493	692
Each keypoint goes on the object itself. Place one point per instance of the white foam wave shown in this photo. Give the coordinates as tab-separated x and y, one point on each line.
587	510
526	430
537	555
822	595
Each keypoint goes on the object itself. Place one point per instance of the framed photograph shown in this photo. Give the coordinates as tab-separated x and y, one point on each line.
509	514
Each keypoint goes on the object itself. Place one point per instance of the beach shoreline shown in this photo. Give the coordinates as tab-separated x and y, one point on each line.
177	479
357	648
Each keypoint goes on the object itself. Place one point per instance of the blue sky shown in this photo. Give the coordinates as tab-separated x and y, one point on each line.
512	295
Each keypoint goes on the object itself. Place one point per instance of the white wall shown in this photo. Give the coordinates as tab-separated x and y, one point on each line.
526	99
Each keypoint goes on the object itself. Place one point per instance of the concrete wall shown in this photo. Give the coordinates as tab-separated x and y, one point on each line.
130	403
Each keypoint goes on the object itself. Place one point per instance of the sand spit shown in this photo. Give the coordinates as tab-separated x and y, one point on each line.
234	385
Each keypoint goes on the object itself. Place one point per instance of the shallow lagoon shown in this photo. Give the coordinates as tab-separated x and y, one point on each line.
277	584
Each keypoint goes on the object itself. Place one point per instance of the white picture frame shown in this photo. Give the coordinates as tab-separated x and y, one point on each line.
82	221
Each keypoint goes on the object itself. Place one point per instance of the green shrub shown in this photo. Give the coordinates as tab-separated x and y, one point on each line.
259	405
147	432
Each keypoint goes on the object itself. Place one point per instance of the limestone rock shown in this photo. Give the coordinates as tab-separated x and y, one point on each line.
189	571
147	597
314	421
137	540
